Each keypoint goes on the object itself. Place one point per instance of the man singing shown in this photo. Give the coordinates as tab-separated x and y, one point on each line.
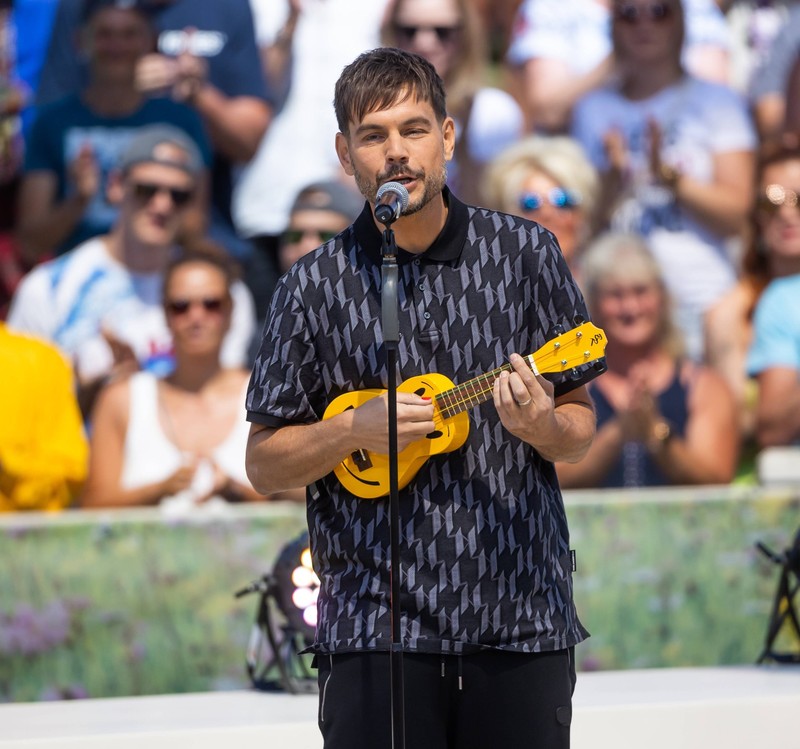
488	621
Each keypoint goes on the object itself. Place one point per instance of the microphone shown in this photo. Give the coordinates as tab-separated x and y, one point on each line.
390	202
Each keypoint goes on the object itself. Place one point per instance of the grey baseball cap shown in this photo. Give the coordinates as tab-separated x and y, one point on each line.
148	147
329	196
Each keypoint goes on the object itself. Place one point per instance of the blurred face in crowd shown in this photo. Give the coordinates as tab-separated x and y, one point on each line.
431	29
198	307
632	306
114	40
544	200
308	229
779	215
153	199
647	31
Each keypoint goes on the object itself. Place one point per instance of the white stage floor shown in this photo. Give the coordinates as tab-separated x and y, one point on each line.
693	708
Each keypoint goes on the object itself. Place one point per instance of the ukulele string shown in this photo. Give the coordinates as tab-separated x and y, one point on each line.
455	403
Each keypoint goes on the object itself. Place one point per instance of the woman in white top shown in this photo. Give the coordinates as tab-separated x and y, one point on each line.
181	438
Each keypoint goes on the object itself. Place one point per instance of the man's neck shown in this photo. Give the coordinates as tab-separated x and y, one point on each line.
136	256
111	99
417	232
643	83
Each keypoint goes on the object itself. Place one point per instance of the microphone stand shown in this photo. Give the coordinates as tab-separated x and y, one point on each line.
391	337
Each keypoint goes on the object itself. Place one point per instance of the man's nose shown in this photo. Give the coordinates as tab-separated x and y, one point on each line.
396	149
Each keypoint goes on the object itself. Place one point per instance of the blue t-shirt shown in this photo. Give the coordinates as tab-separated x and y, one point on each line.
222	32
33	21
61	128
776	327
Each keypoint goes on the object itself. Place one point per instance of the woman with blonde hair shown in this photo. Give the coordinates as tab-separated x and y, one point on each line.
548	179
661	419
449	34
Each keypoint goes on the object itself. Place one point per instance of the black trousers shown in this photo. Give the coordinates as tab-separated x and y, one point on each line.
489	700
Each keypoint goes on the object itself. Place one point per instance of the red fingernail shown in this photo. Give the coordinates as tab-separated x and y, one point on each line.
426	397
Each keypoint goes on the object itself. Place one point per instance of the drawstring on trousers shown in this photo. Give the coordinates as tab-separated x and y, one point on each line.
460	672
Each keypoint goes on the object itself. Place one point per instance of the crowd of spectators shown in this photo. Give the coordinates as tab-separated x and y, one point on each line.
162	162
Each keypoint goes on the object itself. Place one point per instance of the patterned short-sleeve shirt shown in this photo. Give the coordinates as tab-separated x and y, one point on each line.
485	559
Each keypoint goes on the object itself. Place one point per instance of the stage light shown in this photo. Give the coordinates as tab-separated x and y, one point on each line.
292	588
297	587
783	632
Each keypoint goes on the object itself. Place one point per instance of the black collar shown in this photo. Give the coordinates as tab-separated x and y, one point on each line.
445	248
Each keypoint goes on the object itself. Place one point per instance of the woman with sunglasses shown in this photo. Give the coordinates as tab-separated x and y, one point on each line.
450	36
677	158
180	440
550	180
773	252
561	49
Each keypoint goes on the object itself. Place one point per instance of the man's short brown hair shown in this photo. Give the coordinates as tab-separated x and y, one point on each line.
381	77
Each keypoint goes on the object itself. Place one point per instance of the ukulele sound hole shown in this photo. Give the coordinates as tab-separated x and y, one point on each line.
433	435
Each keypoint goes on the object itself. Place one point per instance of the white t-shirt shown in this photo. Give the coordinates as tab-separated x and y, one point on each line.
69	299
698	120
298	148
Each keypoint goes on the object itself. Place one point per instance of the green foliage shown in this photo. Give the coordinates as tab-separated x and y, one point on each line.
149	606
677	583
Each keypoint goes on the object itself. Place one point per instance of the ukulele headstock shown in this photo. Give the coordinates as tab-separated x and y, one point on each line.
582	345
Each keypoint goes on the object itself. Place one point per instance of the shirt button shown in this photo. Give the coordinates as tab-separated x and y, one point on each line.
416	261
427	315
421	287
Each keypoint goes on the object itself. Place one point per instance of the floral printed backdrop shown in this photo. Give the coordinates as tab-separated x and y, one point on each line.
105	605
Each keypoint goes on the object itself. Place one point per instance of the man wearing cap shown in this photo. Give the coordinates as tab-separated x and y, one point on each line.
101	302
76	141
319	212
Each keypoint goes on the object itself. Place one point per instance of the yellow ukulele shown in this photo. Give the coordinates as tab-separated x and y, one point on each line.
366	474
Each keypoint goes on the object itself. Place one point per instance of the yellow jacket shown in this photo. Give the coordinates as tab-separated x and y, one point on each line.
43	448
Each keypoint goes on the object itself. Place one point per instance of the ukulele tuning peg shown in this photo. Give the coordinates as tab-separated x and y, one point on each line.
574	373
558	330
579	319
600	365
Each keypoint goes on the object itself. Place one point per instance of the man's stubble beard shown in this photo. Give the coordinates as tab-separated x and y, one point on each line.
433	185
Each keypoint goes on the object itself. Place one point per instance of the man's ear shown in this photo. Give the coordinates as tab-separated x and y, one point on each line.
115	190
343	152
449	137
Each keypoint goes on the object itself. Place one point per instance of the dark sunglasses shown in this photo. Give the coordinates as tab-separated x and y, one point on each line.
182	306
292	236
445	34
776	196
631	14
558	197
146	191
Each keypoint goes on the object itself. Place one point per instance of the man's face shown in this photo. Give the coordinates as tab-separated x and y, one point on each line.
115	40
647	31
307	230
154	200
403	143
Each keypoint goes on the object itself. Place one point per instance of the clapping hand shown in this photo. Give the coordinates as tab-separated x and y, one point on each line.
83	173
182	76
